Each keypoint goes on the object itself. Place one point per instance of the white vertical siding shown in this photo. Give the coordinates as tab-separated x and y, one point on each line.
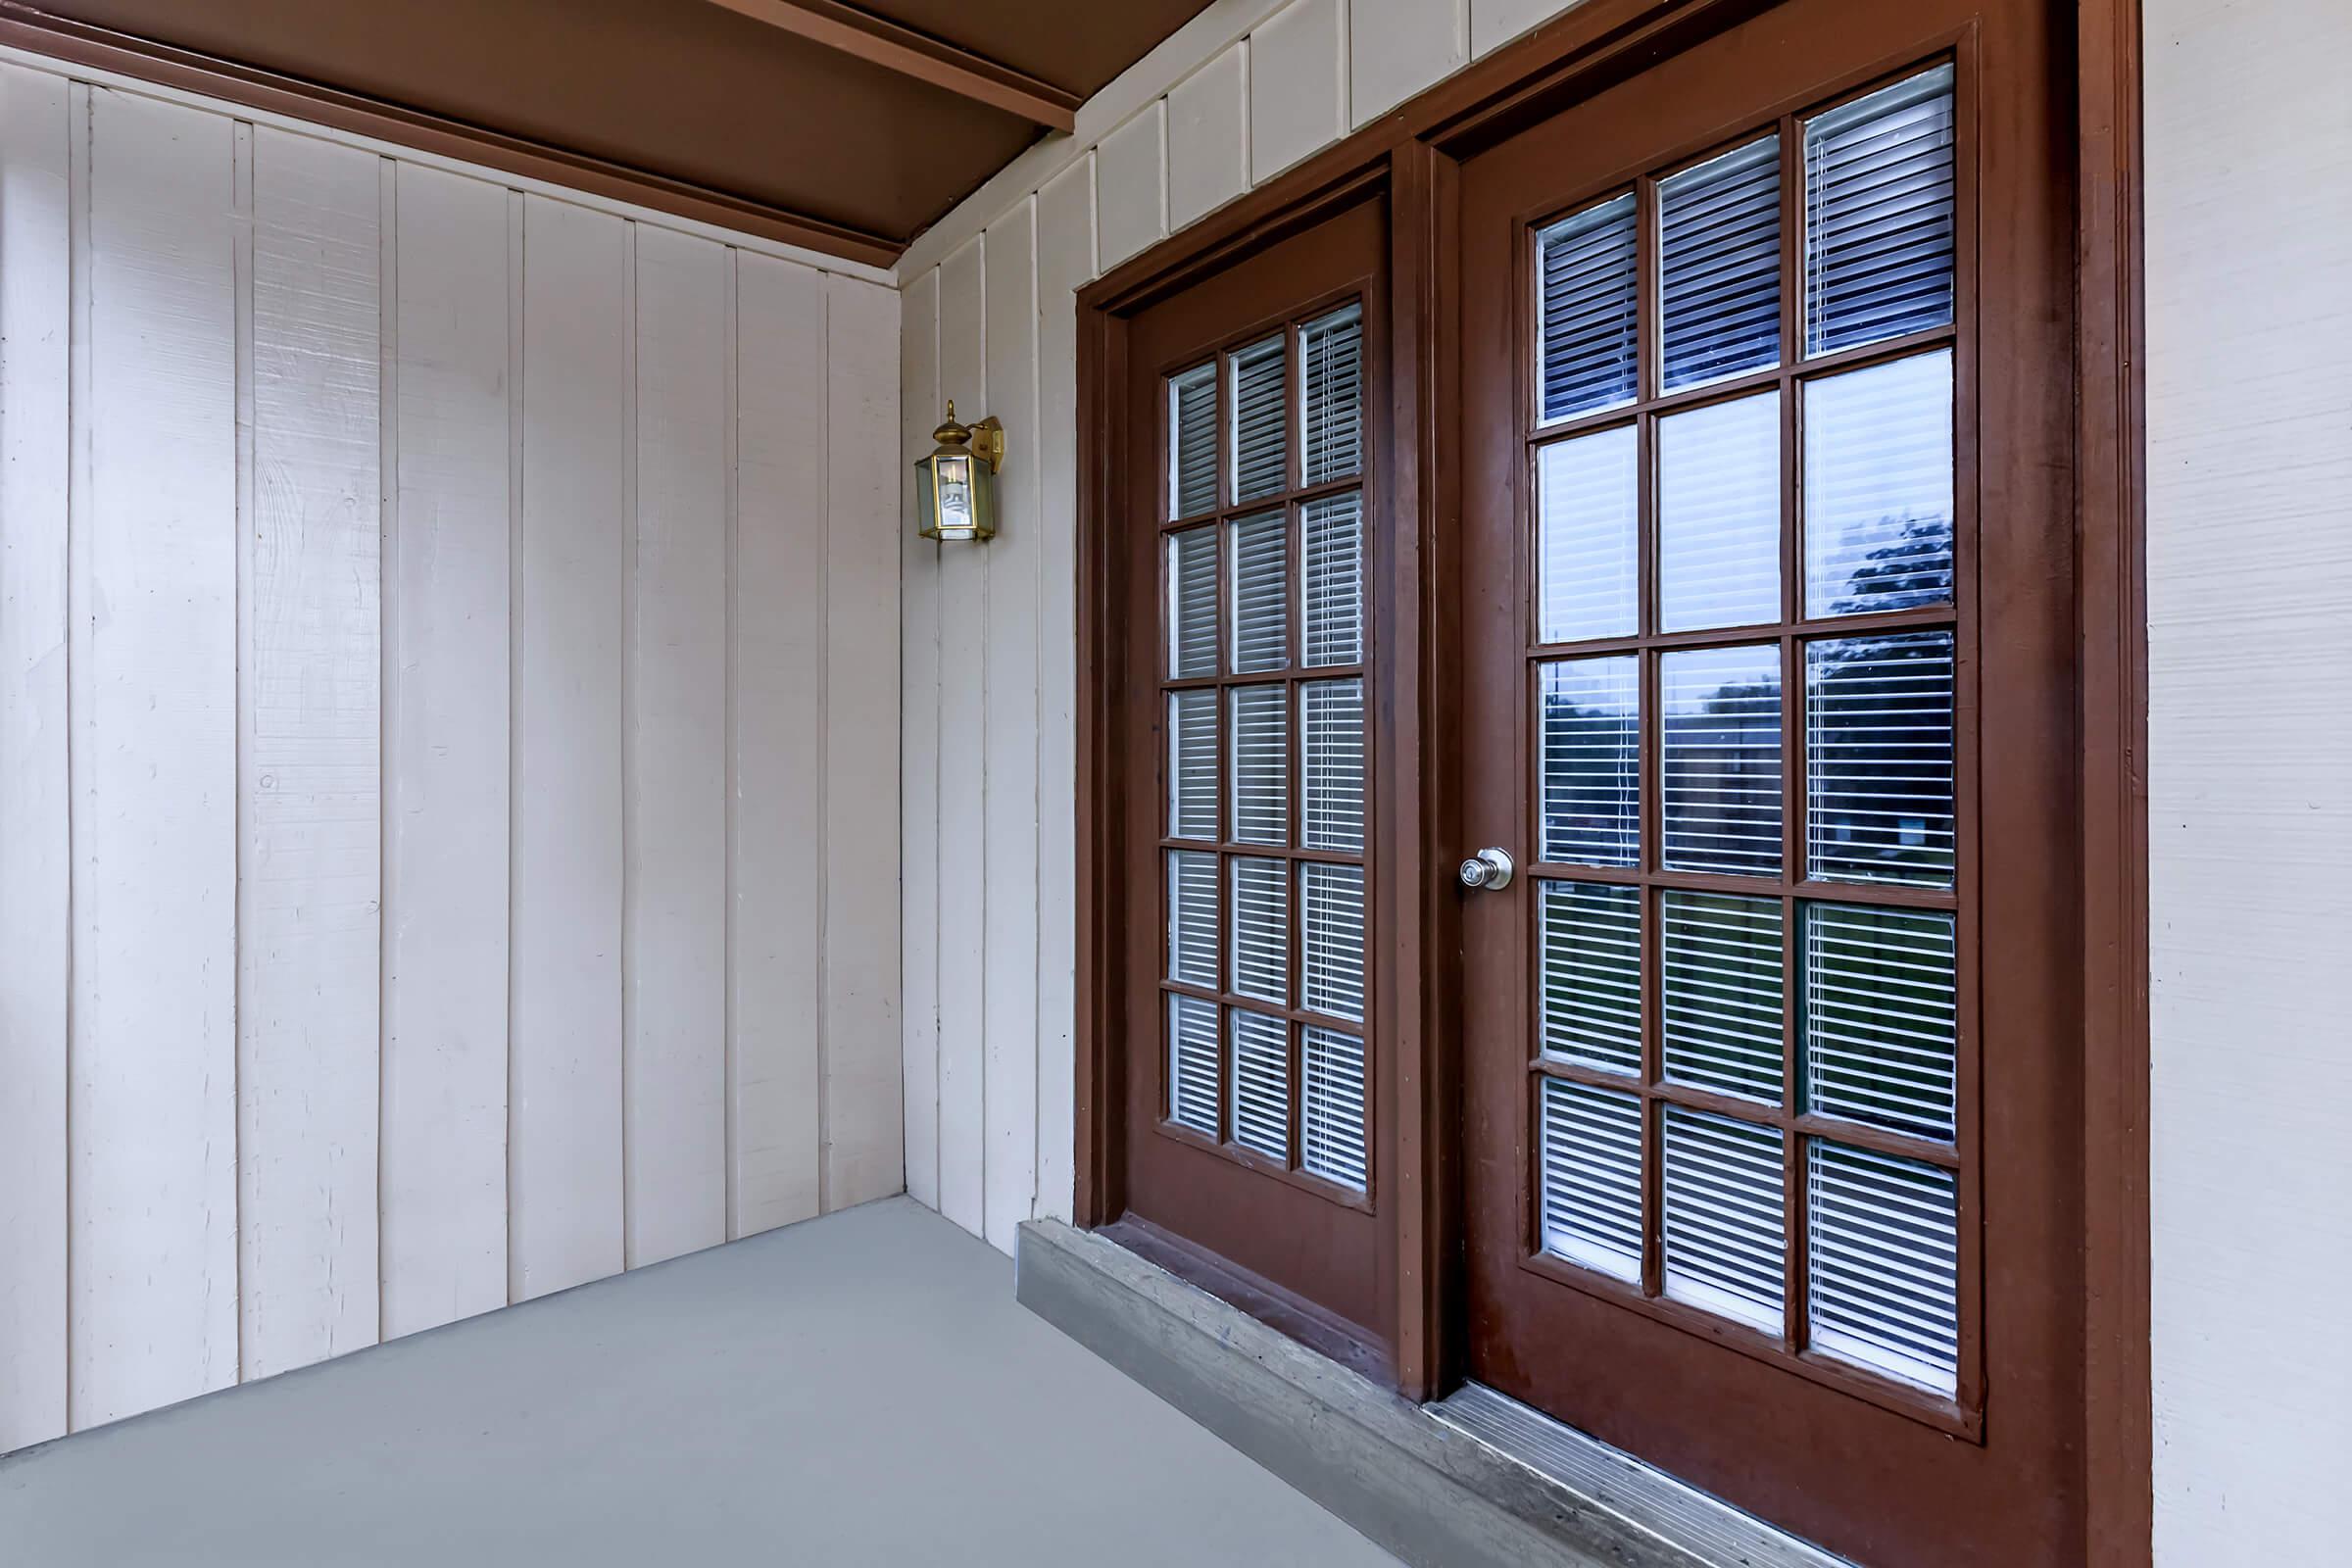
1245	90
1297	85
1065	258
1008	764
778	797
963	968
447	644
1496	22
1131	186
152	1164
2249	571
35	297
443	1195
309	886
563	1148
918	745
864	1157
1209	136
675	949
1397	47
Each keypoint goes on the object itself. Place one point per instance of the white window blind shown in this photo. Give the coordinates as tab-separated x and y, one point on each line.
1193	441
1588	323
1264	753
1758	978
1720	247
1331	355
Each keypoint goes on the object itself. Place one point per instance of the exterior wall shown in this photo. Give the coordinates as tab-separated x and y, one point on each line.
448	711
1240	94
2249	213
2249	228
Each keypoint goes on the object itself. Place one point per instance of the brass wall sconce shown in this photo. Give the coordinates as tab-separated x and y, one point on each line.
955	488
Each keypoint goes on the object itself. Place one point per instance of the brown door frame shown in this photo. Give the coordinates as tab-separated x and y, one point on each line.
1415	152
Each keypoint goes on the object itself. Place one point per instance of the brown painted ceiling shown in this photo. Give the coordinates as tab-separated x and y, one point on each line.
685	89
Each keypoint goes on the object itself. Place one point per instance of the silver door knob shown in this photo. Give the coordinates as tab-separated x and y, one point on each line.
1488	869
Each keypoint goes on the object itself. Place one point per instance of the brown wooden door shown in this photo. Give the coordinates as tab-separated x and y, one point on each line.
1252	1046
1768	1082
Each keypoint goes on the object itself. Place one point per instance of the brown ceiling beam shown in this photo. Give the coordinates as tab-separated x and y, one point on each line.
880	41
99	48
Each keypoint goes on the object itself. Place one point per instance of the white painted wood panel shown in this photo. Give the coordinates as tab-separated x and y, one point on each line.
1496	22
964	980
919	746
2249	573
283	625
863	1157
1008	762
1131	197
154	654
777	932
35	913
1297	85
1397	47
1064	259
676	745
1209	136
309	886
443	1177
564	1133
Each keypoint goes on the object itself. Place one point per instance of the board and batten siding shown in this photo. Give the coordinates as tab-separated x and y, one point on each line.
449	641
2249	573
989	706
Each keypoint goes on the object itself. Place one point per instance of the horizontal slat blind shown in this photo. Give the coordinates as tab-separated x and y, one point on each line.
1331	357
1591	933
1193	603
1261	929
1879	228
1334	553
1880	1016
1591	760
1589	329
1193	918
1331	903
1721	1017
1192	1063
1260	462
1265	625
1330	718
1725	1242
1879	759
1719	514
1332	1108
1262	607
1705	1073
1588	551
1592	1177
1878	487
1261	765
1193	441
1883	1262
1192	764
1720	247
1722	760
1261	1084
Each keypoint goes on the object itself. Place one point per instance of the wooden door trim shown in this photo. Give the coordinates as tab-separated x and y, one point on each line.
2110	613
1414	151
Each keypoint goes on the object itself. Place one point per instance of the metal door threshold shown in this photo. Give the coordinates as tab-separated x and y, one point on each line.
1474	1481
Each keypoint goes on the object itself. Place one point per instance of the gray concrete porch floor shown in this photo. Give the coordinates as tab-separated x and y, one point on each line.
861	1389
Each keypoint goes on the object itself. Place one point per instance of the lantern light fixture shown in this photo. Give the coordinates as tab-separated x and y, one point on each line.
954	492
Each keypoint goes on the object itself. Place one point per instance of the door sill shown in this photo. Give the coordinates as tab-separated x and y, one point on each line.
1474	1480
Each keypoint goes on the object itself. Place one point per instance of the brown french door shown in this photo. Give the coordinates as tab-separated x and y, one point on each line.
1252	1050
1766	1139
